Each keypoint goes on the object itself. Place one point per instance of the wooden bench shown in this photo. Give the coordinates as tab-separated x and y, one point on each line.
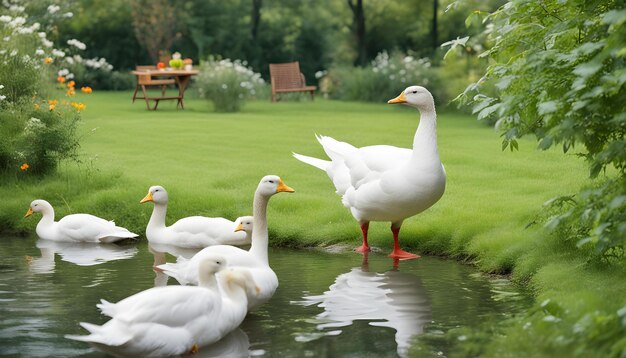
147	80
286	77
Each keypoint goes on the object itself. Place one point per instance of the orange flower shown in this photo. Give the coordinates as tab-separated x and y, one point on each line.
86	90
79	106
70	92
52	103
48	60
71	84
24	166
61	79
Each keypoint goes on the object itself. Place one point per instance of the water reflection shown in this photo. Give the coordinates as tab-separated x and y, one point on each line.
79	253
393	299
235	345
158	251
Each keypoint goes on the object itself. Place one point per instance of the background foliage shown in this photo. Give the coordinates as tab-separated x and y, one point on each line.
570	56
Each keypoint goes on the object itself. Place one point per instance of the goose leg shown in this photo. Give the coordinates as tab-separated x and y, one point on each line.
365	247
398	253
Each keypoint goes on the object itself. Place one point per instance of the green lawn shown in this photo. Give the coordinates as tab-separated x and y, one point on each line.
210	163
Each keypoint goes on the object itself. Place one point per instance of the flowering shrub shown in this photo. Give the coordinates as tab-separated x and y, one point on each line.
228	83
383	79
38	118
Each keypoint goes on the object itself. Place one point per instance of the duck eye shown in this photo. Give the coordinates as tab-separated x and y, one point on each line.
218	262
414	91
271	181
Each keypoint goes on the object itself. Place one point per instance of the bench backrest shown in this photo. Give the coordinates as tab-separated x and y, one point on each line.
286	75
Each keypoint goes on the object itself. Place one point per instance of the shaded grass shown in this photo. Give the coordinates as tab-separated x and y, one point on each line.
210	163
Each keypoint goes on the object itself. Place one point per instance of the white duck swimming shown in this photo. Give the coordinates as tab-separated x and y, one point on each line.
75	227
174	320
386	183
190	232
255	259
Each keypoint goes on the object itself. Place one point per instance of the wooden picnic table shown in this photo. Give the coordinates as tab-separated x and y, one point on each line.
150	77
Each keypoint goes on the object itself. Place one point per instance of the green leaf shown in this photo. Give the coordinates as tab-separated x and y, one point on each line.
546	143
587	69
547	107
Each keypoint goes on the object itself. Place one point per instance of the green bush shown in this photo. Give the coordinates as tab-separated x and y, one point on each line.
37	128
383	79
228	84
558	68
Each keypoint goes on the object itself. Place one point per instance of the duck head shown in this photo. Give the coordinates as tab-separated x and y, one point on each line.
38	206
245	224
416	97
272	184
156	194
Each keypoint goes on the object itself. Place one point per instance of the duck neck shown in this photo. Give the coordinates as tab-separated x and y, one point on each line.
425	140
47	217
157	219
259	244
207	280
233	290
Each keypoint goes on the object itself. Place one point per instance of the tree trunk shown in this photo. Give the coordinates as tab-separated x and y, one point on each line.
434	33
358	27
255	19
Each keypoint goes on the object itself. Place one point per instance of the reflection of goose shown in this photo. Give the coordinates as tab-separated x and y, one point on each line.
79	253
159	251
235	345
391	299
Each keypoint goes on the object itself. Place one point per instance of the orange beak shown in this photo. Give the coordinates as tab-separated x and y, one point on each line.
239	227
29	212
282	187
146	198
400	99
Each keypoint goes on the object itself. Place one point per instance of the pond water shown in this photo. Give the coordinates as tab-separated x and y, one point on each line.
327	305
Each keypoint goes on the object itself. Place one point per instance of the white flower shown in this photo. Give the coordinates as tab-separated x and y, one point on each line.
176	56
58	53
79	45
17	22
68	14
69	60
13	53
5	18
16	8
25	30
69	76
42	35
47	43
63	72
2	97
39	52
53	8
8	38
1	86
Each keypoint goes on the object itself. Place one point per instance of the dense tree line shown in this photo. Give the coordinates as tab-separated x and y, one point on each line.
316	33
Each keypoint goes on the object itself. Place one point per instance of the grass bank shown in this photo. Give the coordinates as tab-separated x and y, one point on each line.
210	164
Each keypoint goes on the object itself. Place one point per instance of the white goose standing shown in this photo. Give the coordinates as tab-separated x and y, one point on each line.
191	232
75	227
387	183
255	259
